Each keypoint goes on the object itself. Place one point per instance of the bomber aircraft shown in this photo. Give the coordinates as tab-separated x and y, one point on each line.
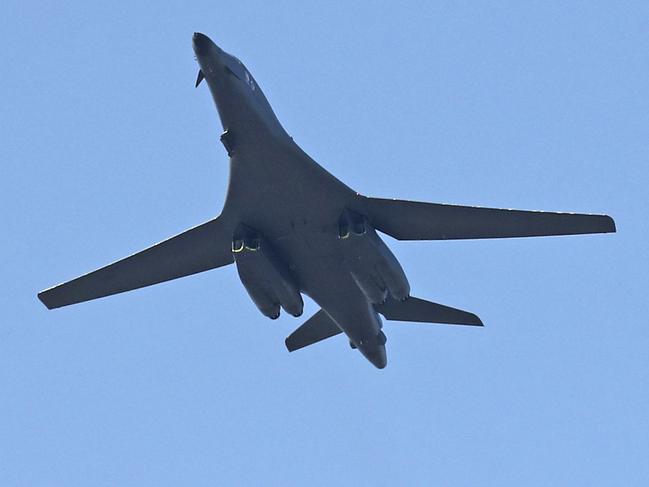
292	228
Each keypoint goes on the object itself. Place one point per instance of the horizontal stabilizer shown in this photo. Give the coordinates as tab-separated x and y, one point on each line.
419	310
317	328
198	249
412	220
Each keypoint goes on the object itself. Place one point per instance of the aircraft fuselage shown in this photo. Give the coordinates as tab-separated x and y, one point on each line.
276	189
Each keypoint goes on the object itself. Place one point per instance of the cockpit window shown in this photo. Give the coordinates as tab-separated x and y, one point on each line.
249	81
230	71
236	68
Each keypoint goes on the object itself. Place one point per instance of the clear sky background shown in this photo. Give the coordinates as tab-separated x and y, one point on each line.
106	148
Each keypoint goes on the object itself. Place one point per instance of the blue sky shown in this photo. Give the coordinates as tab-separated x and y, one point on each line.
107	148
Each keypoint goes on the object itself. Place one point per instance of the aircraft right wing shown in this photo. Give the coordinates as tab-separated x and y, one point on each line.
413	220
198	249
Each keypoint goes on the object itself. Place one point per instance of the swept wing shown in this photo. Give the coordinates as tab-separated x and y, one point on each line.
198	249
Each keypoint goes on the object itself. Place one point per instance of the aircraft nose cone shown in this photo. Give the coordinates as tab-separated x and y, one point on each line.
202	43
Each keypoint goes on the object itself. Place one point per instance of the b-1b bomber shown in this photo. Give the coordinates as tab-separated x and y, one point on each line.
293	229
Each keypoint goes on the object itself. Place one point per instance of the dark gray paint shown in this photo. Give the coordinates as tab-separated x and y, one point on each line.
317	236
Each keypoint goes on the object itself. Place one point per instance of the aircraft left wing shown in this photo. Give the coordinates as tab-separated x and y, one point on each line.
198	249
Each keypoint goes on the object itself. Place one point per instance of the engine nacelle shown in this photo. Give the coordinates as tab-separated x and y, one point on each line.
266	279
371	284
373	266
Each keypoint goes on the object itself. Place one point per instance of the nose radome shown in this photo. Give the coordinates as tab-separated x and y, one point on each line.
202	43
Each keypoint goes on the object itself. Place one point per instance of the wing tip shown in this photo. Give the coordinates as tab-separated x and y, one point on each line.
289	345
609	224
45	298
475	320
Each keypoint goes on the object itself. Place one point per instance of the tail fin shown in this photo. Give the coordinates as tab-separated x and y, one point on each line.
419	310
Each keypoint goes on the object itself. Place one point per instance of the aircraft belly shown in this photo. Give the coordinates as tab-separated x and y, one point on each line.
278	189
330	284
296	205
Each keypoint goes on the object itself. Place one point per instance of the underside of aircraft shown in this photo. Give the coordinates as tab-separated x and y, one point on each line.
293	229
